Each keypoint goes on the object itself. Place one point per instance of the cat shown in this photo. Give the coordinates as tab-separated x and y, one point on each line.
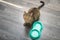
32	15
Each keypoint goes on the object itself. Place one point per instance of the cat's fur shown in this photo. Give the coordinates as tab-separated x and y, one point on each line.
32	15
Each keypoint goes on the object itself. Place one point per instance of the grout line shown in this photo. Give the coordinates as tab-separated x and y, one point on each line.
17	6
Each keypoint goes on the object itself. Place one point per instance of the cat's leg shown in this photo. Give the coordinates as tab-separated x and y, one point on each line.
27	24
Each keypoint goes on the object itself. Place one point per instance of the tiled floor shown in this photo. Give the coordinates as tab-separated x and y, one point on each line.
11	21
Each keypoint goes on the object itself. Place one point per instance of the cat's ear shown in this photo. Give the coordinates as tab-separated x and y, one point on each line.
24	11
31	14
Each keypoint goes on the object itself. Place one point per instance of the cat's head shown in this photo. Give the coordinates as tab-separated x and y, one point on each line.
30	13
27	17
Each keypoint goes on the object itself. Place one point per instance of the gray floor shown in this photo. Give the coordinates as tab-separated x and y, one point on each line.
11	21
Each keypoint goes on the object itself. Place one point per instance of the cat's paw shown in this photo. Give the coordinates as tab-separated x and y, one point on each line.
27	24
24	24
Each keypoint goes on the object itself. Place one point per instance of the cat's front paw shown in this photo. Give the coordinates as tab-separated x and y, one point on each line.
27	24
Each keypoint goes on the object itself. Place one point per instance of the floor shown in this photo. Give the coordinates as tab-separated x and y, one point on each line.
11	20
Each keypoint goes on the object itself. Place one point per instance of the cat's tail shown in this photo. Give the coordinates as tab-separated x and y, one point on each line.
41	5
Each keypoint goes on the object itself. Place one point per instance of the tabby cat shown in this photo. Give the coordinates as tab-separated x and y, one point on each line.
32	15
